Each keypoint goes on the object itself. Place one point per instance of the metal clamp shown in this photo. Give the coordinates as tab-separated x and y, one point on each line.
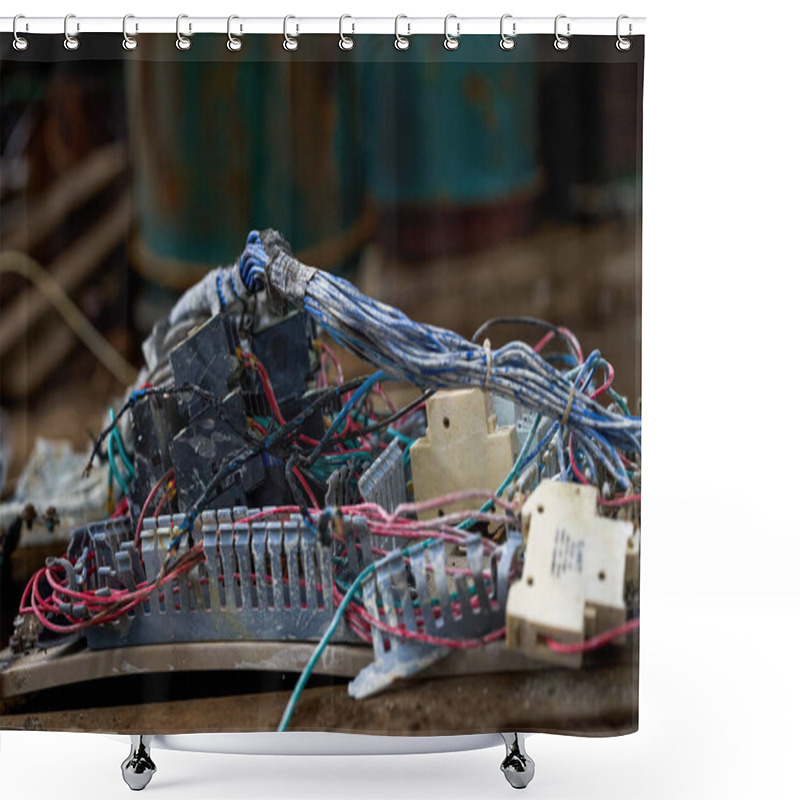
128	42
182	42
561	42
451	42
289	42
623	44
234	42
346	42
20	42
70	42
401	42
507	42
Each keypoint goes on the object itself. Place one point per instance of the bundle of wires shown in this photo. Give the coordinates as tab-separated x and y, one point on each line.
63	610
433	357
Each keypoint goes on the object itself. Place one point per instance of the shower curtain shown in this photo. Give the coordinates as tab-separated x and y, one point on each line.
396	493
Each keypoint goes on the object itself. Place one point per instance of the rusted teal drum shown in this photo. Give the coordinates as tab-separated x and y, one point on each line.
226	143
451	143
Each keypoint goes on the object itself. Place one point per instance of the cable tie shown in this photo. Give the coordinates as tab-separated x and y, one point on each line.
569	407
487	346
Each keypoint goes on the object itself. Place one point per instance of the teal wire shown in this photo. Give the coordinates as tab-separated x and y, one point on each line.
337	618
112	465
323	643
354	587
511	475
397	435
120	446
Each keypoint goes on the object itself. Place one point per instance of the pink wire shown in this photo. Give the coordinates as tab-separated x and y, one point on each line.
147	502
329	352
619	501
595	642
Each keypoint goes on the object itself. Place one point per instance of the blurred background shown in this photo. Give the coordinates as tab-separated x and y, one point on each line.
455	186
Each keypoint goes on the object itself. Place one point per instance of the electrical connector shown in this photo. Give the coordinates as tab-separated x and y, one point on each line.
573	582
462	449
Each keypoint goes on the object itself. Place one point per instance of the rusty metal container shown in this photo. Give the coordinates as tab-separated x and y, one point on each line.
452	144
225	143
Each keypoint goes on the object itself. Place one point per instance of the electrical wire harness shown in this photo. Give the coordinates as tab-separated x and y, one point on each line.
326	564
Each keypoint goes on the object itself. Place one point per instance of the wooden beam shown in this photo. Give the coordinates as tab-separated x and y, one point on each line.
62	665
26	223
70	270
591	702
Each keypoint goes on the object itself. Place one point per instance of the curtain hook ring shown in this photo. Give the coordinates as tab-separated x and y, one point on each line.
346	42
623	44
289	42
507	42
234	42
20	42
182	42
128	42
401	42
561	42
451	42
71	42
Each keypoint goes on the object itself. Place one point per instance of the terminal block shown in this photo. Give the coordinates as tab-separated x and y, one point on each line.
573	581
463	449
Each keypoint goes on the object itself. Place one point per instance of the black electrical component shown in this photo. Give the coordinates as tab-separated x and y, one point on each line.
156	419
207	359
197	434
286	347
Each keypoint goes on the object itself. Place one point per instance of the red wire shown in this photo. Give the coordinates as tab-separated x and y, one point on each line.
121	509
578	474
595	642
565	332
128	599
609	380
163	500
147	502
304	484
619	501
543	341
267	386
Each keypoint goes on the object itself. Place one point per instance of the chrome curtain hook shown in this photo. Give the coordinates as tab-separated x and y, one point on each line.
128	42
401	42
451	42
234	42
623	43
182	42
289	42
507	42
71	42
20	42
346	42
561	42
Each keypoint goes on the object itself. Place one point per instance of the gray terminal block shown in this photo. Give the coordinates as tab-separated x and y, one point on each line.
384	484
268	579
425	599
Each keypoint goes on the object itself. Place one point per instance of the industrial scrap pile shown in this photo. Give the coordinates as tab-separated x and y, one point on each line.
258	494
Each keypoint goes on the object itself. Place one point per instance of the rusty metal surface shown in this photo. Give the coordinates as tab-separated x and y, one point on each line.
598	702
71	663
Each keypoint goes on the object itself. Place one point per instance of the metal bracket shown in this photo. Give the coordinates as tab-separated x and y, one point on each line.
421	594
260	580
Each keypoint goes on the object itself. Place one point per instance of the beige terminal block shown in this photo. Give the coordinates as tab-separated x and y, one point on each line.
573	582
462	449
